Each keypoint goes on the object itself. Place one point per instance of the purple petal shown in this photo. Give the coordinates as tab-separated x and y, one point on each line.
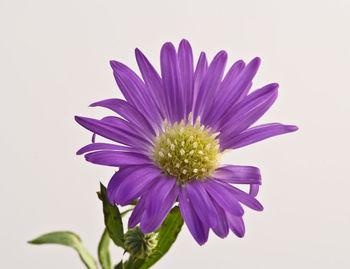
229	95
224	90
135	91
172	82
137	213
129	128
199	230
238	174
247	112
135	183
158	193
224	197
186	71
202	203
199	74
221	229
236	224
254	189
117	158
129	113
128	82
153	82
111	131
150	224
101	146
209	85
258	133
117	179
232	74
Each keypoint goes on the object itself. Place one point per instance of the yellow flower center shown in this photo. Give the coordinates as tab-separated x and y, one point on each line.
187	151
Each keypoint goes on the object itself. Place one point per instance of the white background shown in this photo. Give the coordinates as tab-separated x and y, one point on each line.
54	62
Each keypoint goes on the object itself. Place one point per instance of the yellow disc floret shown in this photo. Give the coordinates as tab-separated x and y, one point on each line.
187	151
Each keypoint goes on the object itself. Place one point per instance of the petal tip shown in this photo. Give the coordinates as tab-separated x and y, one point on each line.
257	60
79	119
168	46
222	53
293	128
255	63
112	63
185	44
274	86
138	53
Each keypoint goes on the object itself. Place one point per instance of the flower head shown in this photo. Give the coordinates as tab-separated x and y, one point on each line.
171	134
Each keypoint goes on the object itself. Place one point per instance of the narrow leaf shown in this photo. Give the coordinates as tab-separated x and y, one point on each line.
103	251
113	220
69	239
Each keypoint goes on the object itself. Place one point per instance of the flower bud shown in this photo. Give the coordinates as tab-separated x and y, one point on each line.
138	244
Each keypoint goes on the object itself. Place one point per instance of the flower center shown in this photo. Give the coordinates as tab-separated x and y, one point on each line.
187	151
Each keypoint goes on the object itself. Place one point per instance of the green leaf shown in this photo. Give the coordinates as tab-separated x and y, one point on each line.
119	265
69	239
113	220
103	251
167	235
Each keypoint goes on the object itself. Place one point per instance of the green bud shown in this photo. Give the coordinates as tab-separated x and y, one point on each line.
138	244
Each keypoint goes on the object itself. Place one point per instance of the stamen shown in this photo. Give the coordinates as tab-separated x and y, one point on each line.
186	152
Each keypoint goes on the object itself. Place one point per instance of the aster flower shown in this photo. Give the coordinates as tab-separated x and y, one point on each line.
172	131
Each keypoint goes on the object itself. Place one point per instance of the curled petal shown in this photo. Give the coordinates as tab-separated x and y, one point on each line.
238	174
245	198
254	189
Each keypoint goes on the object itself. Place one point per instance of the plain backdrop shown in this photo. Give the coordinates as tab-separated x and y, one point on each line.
54	62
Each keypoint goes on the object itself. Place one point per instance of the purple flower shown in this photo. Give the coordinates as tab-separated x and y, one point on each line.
171	133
